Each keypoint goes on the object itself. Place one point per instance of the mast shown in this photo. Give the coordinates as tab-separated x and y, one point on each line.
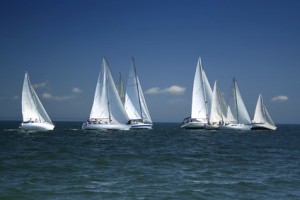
235	100
204	92
106	87
120	88
219	101
137	88
263	108
32	93
31	90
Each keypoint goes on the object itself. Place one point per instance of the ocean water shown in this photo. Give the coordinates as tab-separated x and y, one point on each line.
164	163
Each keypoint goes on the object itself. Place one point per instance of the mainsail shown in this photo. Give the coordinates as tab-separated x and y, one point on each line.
216	114
202	94
32	108
238	108
107	103
135	104
261	114
229	116
120	88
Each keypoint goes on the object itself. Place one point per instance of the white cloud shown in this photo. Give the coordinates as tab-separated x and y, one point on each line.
174	89
280	98
39	85
155	90
49	96
76	90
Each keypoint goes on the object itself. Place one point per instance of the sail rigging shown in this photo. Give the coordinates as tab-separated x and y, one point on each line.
120	88
135	103
216	115
262	118
202	94
238	108
107	103
32	108
34	114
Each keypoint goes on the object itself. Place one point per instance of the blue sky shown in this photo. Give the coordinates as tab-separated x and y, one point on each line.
61	44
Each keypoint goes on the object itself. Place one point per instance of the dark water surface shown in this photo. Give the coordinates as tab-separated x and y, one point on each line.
164	163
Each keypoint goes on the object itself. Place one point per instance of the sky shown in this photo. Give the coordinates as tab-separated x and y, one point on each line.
61	43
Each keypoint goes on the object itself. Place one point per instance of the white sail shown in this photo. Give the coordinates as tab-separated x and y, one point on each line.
262	117
223	106
207	90
120	88
32	108
107	104
229	117
239	109
237	115
201	94
259	114
201	100
268	117
135	104
145	112
216	115
100	108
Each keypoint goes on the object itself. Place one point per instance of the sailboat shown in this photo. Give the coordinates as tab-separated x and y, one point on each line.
135	104
262	118
107	111
201	100
237	115
34	114
216	117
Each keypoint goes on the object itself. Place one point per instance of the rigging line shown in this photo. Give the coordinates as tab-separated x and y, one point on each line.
236	105
204	92
33	97
219	103
137	88
106	70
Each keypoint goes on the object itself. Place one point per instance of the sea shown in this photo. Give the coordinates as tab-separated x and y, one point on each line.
166	162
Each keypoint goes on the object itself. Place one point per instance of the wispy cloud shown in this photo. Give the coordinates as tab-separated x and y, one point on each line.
280	98
76	90
174	89
40	85
49	96
155	90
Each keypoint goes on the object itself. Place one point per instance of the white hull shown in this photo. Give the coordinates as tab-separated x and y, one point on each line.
194	125
88	126
37	126
141	126
245	127
263	126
